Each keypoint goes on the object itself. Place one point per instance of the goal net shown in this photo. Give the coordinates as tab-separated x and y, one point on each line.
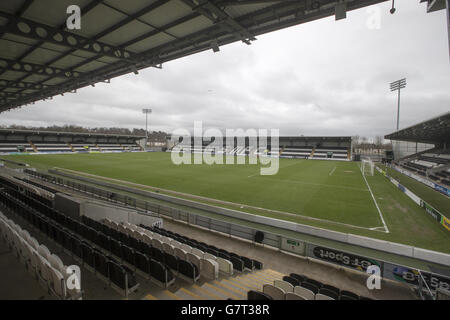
367	167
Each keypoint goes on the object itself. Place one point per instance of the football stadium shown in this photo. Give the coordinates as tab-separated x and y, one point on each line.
250	216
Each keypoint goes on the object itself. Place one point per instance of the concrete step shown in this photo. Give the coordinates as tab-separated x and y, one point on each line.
245	283
231	290
221	290
187	294
168	295
207	292
235	287
149	297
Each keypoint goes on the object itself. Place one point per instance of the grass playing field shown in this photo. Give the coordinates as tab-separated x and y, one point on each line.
327	194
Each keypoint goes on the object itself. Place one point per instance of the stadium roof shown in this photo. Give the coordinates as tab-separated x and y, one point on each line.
41	58
63	133
436	130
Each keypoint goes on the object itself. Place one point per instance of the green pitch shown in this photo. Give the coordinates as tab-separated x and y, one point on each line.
327	194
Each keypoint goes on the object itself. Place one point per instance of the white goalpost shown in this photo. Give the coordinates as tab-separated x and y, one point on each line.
367	167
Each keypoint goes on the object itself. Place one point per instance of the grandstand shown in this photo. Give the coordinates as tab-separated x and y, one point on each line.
14	141
432	164
325	148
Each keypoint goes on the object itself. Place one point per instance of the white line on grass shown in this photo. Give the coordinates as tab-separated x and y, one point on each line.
289	165
332	171
375	201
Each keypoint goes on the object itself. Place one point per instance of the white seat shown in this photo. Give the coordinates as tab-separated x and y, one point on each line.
194	259
165	239
274	292
140	236
176	244
156	236
149	233
43	269
33	261
186	247
57	263
225	266
24	254
168	248
320	296
33	242
286	286
180	253
25	235
147	239
209	269
57	283
157	244
209	256
44	252
293	296
305	293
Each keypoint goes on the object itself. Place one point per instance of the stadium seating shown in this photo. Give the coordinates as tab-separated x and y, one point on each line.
131	147
297	152
203	250
110	147
84	147
7	147
432	164
48	268
52	147
274	292
63	230
30	146
336	152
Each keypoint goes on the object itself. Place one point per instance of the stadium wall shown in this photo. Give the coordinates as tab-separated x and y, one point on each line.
439	217
371	243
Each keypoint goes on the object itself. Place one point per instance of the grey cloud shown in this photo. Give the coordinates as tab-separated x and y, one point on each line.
321	78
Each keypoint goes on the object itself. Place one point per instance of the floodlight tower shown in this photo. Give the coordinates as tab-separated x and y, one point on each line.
147	112
397	86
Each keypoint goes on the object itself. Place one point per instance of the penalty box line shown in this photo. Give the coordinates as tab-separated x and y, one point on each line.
386	229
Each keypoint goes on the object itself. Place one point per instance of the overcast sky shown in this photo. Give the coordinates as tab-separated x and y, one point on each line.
325	77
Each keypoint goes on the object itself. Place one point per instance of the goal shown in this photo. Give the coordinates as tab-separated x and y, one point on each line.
367	167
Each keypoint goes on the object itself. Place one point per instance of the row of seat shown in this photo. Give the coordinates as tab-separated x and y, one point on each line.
63	230
300	287
139	252
183	263
60	280
240	263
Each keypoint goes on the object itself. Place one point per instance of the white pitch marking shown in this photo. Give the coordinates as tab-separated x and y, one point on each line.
289	165
375	201
332	171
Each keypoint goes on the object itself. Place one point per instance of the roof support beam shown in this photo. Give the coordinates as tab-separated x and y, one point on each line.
22	85
31	29
91	5
31	68
218	16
